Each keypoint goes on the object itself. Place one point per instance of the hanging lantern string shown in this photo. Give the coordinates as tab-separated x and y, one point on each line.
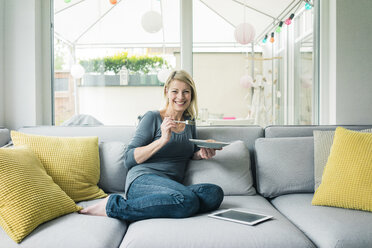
277	25
309	2
274	23
299	5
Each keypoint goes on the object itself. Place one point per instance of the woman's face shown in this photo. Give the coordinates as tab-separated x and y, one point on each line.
179	95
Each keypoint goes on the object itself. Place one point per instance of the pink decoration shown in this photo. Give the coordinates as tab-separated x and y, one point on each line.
229	118
246	81
244	33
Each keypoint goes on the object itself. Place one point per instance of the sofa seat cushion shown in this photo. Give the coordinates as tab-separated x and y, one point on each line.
327	226
73	230
203	231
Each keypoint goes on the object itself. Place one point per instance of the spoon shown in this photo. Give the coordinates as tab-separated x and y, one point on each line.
187	122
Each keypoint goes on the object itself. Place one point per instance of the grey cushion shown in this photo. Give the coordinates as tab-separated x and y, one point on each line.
113	170
248	134
230	169
4	136
284	165
327	226
203	231
72	230
323	141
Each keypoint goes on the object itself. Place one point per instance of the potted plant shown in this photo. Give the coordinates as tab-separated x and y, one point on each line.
106	71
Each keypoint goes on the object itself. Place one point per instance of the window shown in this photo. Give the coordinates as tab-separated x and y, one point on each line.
108	59
281	91
61	84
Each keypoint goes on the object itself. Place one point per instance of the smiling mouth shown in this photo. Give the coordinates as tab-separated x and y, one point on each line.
180	103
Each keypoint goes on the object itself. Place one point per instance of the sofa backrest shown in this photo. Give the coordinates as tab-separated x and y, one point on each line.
285	159
276	131
248	134
114	138
284	165
104	133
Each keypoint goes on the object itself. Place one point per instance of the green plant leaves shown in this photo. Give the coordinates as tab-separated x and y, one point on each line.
135	64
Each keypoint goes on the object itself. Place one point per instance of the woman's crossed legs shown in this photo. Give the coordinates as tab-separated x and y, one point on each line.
152	196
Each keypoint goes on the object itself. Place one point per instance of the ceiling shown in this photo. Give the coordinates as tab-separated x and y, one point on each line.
99	23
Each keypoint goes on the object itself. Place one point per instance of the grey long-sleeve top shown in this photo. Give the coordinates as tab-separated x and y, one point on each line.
170	161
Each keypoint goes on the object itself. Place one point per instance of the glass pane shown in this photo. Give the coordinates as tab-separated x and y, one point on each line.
222	66
108	57
303	71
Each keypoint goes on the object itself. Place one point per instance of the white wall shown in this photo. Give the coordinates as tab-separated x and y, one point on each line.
354	62
345	66
2	102
24	54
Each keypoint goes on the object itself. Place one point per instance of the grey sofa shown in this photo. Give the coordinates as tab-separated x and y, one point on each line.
281	159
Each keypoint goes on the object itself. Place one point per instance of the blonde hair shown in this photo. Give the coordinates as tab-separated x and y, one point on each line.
185	77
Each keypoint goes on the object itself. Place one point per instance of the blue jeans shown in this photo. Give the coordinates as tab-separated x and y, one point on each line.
152	196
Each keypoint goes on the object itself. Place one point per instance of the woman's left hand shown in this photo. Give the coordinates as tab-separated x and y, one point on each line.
205	153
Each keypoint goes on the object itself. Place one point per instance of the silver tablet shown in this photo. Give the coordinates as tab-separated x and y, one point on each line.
239	216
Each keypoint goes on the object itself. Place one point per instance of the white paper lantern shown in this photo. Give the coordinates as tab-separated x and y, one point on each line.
77	71
244	33
246	81
163	75
151	22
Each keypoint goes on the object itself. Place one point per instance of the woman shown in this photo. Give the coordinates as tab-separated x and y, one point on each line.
157	157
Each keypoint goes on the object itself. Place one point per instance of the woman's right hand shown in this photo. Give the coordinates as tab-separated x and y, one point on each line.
166	129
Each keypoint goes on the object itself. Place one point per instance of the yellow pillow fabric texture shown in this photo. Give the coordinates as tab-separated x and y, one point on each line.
323	141
347	177
28	195
72	162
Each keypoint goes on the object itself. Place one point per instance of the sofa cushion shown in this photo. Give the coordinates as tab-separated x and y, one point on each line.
347	177
326	226
248	134
323	141
73	231
28	195
284	165
230	169
72	162
204	231
4	136
113	170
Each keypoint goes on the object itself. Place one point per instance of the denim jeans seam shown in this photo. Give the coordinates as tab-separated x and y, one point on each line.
109	212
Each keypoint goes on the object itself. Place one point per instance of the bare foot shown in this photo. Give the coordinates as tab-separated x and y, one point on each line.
98	209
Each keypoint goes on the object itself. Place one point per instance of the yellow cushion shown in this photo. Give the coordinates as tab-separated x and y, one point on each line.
347	177
28	195
72	162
